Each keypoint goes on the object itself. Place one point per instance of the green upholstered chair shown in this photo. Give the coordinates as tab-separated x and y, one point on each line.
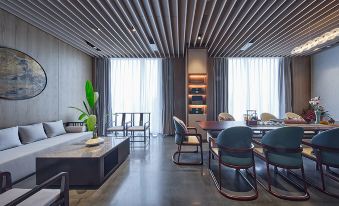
185	138
324	150
282	149
233	149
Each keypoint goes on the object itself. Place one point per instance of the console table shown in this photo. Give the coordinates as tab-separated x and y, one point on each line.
87	166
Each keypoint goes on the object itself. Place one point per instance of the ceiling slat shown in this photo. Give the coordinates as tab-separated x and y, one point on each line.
223	26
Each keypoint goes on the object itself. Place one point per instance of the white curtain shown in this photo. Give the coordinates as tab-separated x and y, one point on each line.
136	87
253	84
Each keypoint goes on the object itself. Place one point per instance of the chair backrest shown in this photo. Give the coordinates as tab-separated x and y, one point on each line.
235	137
291	115
284	138
330	139
267	117
225	117
180	128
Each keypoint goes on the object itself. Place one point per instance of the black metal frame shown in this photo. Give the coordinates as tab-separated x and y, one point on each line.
178	152
63	198
319	166
269	149
217	183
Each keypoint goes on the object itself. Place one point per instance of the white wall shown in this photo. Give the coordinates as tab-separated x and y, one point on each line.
325	79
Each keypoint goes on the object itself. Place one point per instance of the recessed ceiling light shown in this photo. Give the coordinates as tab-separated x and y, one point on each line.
133	29
199	37
246	46
96	29
316	49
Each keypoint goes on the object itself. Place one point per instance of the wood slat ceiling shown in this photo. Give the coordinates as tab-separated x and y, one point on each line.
222	26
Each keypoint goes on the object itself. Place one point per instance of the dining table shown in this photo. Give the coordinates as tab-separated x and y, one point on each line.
263	127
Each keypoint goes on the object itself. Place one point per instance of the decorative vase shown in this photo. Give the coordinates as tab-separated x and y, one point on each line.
317	116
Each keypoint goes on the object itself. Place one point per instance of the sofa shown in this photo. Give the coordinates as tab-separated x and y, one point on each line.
19	159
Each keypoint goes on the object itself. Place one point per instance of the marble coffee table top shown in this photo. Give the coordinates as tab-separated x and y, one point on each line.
80	150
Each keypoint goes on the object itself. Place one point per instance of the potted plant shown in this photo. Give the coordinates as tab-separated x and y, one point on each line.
88	114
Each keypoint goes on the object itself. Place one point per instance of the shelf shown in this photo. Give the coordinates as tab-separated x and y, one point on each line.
190	95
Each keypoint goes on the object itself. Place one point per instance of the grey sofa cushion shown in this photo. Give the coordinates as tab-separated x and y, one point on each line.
9	138
53	129
75	129
31	133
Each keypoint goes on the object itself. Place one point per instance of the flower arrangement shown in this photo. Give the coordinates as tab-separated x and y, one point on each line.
316	111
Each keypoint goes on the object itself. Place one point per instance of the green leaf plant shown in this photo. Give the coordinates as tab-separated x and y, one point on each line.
88	115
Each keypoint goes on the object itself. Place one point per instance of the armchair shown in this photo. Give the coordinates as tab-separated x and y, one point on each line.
233	148
323	149
184	138
142	126
38	195
112	126
281	148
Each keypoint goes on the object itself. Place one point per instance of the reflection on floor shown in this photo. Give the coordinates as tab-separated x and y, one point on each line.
149	178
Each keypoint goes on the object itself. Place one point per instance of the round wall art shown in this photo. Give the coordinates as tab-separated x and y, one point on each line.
21	76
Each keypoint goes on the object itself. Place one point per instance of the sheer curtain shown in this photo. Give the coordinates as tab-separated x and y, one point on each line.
253	84
137	87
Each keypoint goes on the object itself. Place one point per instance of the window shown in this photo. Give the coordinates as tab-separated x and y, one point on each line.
136	87
253	84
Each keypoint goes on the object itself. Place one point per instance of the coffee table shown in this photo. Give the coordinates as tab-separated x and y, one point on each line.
87	166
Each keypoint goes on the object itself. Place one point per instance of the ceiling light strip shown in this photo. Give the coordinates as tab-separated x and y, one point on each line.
299	30
199	22
234	27
208	21
292	23
142	36
271	31
132	36
246	38
264	23
42	26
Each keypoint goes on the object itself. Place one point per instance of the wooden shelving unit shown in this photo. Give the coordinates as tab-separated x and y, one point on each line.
197	93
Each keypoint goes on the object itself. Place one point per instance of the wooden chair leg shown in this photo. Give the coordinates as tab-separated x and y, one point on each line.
322	176
268	176
304	178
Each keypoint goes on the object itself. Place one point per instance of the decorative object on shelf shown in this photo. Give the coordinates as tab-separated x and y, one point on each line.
318	111
197	111
197	100
89	115
251	117
21	76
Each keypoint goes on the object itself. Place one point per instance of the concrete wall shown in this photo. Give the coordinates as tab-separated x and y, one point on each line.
325	79
67	70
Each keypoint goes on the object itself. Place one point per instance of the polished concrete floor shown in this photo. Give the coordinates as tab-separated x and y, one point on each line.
149	177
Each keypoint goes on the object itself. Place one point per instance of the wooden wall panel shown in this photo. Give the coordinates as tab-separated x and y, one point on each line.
301	83
67	70
179	89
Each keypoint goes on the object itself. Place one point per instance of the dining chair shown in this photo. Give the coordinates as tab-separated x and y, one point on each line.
233	148
323	149
113	126
267	117
225	117
291	115
141	126
282	149
185	138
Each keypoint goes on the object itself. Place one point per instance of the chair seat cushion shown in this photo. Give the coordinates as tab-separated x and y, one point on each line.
136	128
233	159
191	140
330	158
290	160
116	128
43	197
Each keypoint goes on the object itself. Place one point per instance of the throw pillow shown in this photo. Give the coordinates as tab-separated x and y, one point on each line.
31	133
9	138
53	129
